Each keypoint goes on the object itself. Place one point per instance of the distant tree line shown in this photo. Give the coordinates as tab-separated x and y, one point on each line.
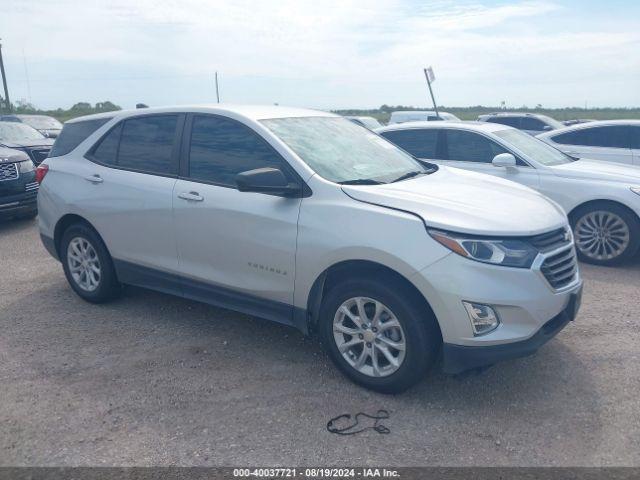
77	110
383	112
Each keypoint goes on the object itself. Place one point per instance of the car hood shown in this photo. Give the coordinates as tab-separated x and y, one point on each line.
44	142
467	202
8	155
598	170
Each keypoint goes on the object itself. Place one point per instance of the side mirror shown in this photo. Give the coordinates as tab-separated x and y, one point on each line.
267	180
506	160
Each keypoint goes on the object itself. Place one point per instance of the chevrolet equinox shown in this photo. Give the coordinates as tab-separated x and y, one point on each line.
304	218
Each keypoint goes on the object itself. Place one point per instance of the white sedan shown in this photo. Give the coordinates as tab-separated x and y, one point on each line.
601	199
611	140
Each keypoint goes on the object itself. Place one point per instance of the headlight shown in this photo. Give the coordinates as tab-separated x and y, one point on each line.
505	251
635	190
26	166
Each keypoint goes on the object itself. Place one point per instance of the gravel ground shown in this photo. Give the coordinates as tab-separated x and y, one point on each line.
152	379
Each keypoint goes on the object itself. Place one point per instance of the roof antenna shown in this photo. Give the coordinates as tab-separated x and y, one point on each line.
142	105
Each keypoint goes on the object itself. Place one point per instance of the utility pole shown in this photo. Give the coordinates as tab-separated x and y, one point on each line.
217	91
4	82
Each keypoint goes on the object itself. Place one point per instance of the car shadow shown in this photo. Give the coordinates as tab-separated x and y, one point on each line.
12	225
149	356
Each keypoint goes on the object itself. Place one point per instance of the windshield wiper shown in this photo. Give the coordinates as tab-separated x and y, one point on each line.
408	175
361	181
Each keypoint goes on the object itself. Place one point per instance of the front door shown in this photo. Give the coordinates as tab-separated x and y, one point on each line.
235	249
473	151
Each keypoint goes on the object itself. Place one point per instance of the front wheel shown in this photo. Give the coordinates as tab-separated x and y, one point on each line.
379	336
605	234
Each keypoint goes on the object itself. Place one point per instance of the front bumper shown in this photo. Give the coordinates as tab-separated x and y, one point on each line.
460	358
530	309
16	205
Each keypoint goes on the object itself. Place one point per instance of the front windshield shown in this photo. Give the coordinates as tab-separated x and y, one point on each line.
532	147
341	151
18	132
42	122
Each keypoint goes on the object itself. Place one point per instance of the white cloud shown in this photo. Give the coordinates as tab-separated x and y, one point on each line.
351	52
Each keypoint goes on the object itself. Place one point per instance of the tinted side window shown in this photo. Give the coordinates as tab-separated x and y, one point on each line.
419	143
106	151
73	134
510	121
471	147
611	137
530	123
221	148
146	143
635	137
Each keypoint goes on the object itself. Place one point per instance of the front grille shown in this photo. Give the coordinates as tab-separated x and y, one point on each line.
32	187
8	171
550	241
561	268
39	154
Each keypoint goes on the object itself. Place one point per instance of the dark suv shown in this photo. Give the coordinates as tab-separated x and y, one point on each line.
20	136
48	126
531	123
18	185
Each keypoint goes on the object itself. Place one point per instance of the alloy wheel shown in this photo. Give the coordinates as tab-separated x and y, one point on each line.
369	336
84	264
601	235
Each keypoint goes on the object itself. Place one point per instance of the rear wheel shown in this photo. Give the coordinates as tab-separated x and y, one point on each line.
379	336
605	234
88	265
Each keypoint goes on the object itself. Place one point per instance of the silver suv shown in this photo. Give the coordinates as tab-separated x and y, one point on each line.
303	218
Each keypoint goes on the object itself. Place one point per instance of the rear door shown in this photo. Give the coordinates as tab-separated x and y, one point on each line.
236	249
610	143
126	192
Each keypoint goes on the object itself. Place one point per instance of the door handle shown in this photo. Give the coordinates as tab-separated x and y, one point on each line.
94	178
191	196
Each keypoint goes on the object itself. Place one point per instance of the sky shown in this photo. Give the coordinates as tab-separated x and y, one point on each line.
327	54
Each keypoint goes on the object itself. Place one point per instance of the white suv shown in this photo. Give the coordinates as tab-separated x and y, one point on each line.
303	218
602	199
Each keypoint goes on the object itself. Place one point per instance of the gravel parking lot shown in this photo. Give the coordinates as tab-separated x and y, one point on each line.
157	380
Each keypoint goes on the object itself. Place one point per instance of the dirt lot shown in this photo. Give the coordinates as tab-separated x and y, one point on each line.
156	380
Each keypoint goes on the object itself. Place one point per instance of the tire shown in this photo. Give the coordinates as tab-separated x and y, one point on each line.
419	331
86	244
605	233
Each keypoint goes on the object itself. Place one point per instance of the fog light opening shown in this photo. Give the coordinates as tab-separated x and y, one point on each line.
484	318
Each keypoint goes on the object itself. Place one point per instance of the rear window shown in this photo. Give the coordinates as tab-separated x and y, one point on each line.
419	143
73	134
509	121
